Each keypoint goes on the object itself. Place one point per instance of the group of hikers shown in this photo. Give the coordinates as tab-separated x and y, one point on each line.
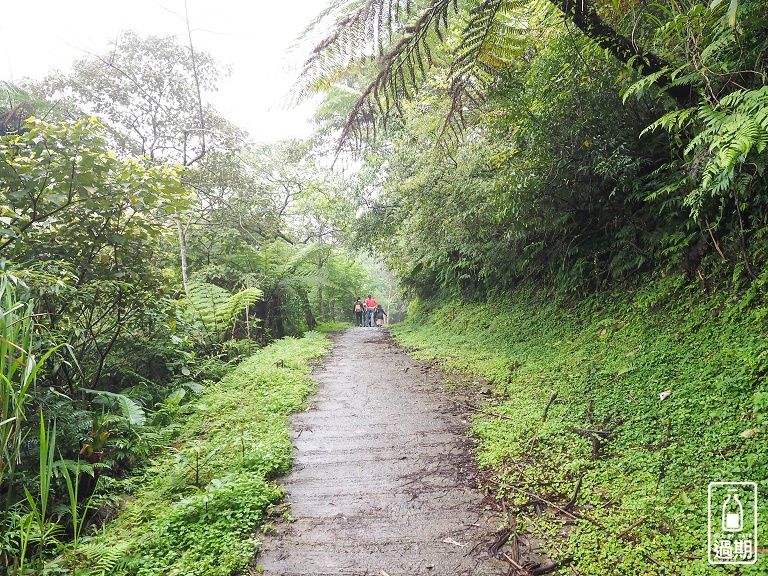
368	313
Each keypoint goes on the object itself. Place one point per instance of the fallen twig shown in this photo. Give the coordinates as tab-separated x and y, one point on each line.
511	561
561	509
501	539
570	504
552	399
515	542
626	531
454	542
652	559
480	411
597	437
590	432
687	556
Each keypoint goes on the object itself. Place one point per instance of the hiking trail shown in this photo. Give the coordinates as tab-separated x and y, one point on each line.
383	483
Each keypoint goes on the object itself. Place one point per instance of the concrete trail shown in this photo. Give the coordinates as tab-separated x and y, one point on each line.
382	483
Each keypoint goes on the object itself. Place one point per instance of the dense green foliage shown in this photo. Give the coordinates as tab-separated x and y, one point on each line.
570	148
143	254
199	507
561	169
608	358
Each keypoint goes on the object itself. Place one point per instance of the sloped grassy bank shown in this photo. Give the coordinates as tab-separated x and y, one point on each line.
200	505
644	462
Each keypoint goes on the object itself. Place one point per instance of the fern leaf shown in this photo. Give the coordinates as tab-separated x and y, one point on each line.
215	308
639	88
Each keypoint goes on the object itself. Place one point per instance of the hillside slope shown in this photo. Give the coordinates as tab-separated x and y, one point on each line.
628	403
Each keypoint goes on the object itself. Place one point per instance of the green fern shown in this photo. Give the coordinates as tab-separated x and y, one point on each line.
104	556
215	308
641	86
729	136
132	413
733	135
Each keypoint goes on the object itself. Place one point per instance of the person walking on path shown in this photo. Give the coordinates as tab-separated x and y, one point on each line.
358	309
370	309
380	316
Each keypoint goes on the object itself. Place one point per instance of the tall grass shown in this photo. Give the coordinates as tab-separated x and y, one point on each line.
19	367
17	375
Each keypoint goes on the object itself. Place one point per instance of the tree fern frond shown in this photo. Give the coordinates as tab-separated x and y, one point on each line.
404	38
490	41
403	67
215	308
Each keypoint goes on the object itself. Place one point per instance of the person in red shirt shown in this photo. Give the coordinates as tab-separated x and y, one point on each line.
370	309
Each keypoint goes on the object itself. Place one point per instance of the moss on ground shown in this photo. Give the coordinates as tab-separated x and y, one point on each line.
674	378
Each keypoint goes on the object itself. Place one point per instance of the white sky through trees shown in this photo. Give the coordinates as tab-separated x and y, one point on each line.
253	37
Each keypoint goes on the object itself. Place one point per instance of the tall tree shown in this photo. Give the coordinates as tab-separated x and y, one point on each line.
149	92
84	228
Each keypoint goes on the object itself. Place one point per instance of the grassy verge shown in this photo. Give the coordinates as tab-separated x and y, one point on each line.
199	507
670	379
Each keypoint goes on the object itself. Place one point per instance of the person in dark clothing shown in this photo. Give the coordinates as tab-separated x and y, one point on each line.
380	316
358	308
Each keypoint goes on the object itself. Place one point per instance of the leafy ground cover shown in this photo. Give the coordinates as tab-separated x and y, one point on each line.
633	402
198	508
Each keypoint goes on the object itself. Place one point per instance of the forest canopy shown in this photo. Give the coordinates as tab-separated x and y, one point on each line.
580	143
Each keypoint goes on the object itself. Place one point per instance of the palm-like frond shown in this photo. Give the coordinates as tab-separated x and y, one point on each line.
15	107
406	42
215	308
492	39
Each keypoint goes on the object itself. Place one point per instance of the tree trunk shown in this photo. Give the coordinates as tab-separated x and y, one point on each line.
183	254
585	17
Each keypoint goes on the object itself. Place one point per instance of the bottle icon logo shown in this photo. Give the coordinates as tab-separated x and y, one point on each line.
732	523
733	512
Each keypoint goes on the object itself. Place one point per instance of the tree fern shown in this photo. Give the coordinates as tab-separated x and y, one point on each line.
214	308
406	43
105	556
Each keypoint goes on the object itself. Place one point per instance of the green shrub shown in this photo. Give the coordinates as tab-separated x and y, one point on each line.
198	509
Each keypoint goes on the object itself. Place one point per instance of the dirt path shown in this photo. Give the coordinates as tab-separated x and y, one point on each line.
382	483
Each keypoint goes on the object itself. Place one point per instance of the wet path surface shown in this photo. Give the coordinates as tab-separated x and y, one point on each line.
382	483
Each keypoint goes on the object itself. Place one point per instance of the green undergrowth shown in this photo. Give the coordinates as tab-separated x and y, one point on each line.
610	358
198	508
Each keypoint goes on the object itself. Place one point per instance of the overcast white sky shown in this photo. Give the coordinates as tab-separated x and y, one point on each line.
253	36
